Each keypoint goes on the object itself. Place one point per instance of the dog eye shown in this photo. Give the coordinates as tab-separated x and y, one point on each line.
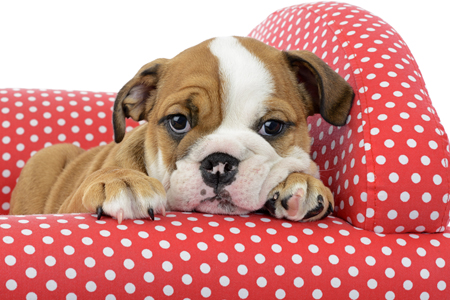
271	128
179	124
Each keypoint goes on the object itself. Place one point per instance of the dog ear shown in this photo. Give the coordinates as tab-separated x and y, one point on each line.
330	95
137	97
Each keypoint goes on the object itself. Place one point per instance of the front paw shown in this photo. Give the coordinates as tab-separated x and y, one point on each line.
123	194
300	197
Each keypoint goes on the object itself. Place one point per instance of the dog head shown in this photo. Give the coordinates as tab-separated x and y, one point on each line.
227	120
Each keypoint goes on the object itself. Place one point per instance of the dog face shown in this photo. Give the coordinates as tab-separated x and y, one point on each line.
227	120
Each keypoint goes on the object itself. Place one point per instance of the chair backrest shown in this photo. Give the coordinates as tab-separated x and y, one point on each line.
388	167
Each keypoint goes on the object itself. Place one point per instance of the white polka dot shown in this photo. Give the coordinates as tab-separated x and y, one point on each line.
372	284
382	195
406	262
71	273
421	252
10	260
415	178
262	282
299	282
130	288
350	249
292	239
110	275
224	281
31	272
89	262
424	273
434	215
31	296
313	248
234	230
107	251
335	282
317	294
149	277
392	214
259	258
255	238
433	145
51	285
165	244
334	260
370	260
280	294
380	159
413	214
167	265
168	290
407	285
243	293
441	285
11	285
279	270
437	179
125	242
241	248
389	272
29	249
353	271
147	253
297	259
206	292
187	279
308	231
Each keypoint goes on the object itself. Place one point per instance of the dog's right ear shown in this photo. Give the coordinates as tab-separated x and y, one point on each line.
137	97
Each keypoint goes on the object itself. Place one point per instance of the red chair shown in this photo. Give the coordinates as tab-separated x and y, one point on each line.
388	169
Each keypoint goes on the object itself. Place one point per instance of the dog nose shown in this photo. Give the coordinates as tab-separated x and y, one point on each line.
219	170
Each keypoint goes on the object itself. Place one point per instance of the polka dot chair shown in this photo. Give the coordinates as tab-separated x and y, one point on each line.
388	169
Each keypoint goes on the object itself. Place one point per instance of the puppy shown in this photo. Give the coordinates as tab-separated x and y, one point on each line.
226	133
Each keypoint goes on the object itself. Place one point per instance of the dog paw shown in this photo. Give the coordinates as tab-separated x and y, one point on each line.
300	197
123	194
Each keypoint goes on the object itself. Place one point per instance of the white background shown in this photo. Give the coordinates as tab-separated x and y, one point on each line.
99	45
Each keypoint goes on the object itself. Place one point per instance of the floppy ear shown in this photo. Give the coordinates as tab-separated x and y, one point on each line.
137	97
329	94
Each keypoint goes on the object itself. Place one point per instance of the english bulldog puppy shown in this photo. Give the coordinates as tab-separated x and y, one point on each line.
226	133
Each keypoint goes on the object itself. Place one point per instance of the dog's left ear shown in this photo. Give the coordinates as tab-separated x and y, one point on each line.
137	97
329	94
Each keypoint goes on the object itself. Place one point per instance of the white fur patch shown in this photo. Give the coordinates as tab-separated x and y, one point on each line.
133	207
246	82
156	169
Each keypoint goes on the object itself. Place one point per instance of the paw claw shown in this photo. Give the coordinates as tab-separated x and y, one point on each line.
99	212
120	216
151	214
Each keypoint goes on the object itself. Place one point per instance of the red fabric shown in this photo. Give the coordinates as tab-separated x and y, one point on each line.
388	168
196	256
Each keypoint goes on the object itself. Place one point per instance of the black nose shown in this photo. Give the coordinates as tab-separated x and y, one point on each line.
219	170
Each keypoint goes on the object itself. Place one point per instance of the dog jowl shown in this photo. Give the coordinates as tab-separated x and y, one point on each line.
226	133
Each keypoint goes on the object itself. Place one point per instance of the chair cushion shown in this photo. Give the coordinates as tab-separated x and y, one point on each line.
200	256
388	167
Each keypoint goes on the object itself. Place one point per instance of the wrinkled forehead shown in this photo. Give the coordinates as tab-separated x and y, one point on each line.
230	72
